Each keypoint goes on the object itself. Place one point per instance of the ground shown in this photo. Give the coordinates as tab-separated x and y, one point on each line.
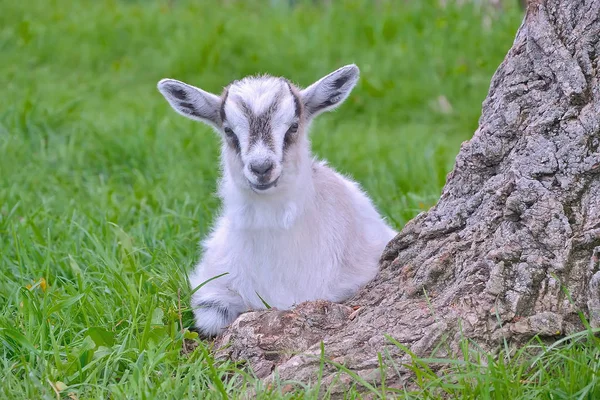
105	192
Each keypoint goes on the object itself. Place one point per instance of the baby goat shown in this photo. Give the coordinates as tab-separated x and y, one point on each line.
291	228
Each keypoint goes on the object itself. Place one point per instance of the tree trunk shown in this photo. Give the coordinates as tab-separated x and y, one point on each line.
512	248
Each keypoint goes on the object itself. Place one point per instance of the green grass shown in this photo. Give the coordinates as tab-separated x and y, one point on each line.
105	192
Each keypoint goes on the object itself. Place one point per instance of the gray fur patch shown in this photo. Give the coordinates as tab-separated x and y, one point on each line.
339	82
179	94
217	306
333	99
189	108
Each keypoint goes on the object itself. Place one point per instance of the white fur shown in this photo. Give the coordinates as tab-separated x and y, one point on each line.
316	235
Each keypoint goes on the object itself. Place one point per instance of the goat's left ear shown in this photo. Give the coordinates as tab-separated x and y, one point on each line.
331	91
191	101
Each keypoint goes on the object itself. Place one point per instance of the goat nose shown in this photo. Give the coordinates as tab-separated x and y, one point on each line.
261	168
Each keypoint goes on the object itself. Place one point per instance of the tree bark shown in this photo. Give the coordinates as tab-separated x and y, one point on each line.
512	248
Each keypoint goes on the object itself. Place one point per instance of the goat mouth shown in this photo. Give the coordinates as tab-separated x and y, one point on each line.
260	188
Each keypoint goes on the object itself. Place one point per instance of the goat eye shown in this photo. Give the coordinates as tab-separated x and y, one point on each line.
229	132
290	135
232	139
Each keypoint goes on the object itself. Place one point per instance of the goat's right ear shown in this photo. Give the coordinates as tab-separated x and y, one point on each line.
191	101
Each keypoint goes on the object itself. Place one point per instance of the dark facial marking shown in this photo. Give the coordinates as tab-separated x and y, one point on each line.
245	109
235	143
230	136
297	103
290	136
260	125
222	110
260	128
232	140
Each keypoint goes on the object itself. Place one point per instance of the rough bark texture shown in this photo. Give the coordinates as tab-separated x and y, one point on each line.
516	228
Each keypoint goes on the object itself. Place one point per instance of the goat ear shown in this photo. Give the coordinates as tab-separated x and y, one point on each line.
331	91
191	101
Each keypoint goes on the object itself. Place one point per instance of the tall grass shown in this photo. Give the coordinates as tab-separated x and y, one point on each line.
105	193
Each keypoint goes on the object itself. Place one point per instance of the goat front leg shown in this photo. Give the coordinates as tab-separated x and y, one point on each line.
215	308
